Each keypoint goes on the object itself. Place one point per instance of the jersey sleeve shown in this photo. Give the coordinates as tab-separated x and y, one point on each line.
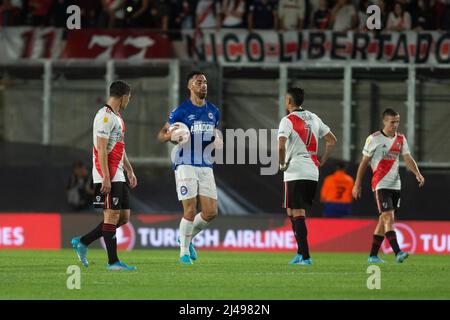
369	147
175	116
103	125
323	128
405	147
285	128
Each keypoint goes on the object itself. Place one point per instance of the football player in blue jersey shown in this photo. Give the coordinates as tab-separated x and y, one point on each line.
193	161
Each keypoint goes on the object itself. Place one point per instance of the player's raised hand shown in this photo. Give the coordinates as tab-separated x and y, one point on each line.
420	179
106	186
170	130
356	191
132	179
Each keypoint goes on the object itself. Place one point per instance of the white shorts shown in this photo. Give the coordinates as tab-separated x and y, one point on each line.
192	181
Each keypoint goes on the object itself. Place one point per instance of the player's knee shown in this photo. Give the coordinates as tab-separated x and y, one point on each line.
388	218
189	213
210	214
111	216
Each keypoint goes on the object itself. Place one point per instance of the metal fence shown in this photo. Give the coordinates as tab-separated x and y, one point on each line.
54	102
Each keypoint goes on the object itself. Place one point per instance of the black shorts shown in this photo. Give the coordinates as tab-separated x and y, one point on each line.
387	200
299	194
117	199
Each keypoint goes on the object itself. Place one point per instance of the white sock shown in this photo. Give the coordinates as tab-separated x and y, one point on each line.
199	224
186	227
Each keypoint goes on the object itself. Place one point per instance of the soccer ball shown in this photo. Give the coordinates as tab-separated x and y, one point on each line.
180	135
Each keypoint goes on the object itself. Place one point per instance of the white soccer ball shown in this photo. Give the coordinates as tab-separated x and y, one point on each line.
181	134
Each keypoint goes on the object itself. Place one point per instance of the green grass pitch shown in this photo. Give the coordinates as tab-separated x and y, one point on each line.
220	275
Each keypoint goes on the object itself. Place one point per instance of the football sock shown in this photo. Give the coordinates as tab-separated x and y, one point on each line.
302	233
295	234
90	237
199	224
392	238
109	235
186	227
376	244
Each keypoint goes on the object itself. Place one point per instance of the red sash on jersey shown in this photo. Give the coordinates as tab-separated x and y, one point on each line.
385	165
299	126
114	158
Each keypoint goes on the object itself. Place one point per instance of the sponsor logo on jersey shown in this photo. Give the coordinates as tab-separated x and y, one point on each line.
390	155
200	127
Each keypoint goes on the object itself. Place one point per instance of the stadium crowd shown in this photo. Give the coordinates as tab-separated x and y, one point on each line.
174	15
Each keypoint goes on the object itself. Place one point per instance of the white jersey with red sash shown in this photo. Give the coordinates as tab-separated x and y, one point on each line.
109	125
303	129
384	153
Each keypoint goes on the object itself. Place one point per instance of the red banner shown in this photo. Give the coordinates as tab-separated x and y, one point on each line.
116	44
30	43
274	233
30	231
255	233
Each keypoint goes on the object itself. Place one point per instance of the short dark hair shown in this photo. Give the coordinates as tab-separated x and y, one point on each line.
194	73
119	88
297	94
389	112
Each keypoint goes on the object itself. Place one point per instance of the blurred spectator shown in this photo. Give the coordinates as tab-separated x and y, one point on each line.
112	14
399	19
438	8
233	12
182	14
90	10
39	10
343	16
207	14
384	12
159	15
136	13
321	17
422	18
445	24
291	14
10	12
336	193
311	9
58	13
362	14
79	189
262	15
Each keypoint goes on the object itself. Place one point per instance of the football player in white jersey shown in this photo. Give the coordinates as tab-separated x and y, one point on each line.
382	151
109	163
298	137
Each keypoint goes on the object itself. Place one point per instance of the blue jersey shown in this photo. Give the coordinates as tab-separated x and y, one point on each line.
201	121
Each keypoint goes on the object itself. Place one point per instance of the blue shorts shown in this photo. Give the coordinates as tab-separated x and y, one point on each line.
333	209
